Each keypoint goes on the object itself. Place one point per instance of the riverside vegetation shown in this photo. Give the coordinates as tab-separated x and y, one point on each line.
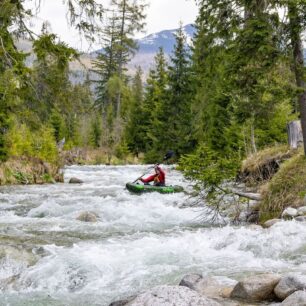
215	103
221	104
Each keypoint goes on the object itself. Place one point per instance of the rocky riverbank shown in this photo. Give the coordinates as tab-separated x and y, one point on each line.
199	290
279	184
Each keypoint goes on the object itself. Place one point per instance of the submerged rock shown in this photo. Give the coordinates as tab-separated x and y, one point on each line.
298	298
290	284
172	296
191	281
18	254
300	218
87	216
271	222
75	180
256	288
123	302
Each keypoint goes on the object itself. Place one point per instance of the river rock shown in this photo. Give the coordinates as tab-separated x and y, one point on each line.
298	298
191	281
300	218
123	302
18	254
87	216
301	211
290	284
271	222
6	282
172	296
289	213
210	286
254	205
75	180
256	288
253	217
243	216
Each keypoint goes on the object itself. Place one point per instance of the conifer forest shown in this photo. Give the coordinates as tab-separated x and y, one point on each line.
228	94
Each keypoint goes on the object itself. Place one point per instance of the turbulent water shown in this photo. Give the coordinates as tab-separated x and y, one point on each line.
47	257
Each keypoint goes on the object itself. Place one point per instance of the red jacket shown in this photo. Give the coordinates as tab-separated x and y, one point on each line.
158	178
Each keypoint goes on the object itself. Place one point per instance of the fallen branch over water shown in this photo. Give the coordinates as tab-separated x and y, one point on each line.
248	195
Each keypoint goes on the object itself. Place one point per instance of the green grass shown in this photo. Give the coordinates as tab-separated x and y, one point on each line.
286	188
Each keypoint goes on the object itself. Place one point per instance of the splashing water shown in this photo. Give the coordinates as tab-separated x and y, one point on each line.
49	258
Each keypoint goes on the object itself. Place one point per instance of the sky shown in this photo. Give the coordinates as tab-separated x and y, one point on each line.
161	15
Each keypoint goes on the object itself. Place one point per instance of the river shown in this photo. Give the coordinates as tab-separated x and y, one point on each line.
47	257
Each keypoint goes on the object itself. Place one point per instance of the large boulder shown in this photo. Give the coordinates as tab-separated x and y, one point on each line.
87	216
75	180
172	296
209	286
289	213
290	284
256	288
271	222
298	298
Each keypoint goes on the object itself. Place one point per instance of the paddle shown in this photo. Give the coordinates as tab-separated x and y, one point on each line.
167	156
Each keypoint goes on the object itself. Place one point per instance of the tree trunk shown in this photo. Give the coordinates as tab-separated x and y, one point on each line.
253	142
295	135
120	67
298	60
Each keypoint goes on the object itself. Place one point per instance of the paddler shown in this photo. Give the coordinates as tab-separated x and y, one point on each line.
158	178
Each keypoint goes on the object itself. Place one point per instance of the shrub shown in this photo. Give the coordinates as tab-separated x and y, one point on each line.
23	142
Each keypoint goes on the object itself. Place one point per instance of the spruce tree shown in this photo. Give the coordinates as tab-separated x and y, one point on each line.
106	64
130	19
155	105
134	131
179	97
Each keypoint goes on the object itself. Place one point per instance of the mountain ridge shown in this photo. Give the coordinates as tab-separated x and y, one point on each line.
144	57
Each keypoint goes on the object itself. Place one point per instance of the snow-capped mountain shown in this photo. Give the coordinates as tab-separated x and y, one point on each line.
149	45
164	39
144	57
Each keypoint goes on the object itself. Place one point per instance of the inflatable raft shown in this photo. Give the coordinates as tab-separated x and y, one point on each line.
140	188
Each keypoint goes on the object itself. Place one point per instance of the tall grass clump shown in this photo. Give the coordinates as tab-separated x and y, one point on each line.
286	188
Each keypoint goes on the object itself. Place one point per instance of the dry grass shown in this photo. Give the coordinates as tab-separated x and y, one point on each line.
28	171
260	167
96	157
287	188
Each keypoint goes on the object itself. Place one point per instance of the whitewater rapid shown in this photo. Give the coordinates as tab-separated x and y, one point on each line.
47	257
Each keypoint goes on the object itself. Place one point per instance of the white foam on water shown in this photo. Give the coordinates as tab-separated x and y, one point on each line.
137	242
